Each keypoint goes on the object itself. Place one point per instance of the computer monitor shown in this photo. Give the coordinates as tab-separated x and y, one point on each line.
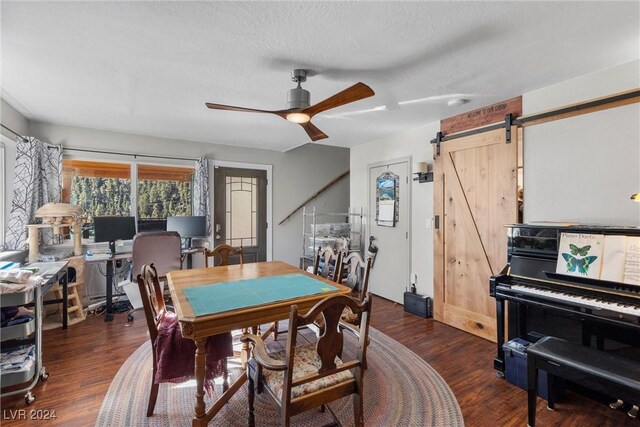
188	226
112	228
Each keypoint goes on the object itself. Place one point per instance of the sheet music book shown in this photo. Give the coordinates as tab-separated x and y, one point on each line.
632	261
620	259
580	254
613	258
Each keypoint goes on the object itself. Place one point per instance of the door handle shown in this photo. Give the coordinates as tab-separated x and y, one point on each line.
218	228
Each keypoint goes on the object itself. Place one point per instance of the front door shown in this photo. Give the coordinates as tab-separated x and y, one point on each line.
240	211
475	181
390	273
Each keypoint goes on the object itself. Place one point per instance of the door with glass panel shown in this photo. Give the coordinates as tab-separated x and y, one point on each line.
240	211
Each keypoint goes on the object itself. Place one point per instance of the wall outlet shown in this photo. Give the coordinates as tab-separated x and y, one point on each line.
429	223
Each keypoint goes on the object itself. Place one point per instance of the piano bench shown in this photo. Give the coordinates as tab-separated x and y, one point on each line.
579	363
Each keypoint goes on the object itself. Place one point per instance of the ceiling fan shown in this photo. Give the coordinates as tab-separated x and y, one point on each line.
298	108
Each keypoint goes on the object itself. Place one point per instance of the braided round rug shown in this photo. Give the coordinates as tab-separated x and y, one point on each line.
400	389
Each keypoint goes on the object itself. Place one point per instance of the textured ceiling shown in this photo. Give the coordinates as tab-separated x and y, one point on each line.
149	67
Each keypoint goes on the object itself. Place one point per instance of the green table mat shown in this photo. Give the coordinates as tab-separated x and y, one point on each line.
225	296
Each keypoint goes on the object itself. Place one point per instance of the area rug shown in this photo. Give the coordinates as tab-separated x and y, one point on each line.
400	389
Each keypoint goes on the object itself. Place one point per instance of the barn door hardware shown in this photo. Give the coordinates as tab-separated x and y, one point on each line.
437	140
508	121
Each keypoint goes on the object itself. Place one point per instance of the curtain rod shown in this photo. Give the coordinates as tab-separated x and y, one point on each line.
105	152
14	132
86	150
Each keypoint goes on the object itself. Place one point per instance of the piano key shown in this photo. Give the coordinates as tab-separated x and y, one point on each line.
580	299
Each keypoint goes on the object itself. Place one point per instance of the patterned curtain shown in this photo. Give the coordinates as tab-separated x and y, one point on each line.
201	191
37	180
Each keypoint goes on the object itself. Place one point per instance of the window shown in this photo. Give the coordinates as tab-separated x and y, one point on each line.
241	211
99	188
2	195
163	191
104	188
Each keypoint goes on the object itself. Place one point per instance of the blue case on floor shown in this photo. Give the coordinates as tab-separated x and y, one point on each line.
515	360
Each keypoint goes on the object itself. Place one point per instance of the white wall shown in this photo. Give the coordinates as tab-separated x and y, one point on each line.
297	174
414	143
584	168
12	119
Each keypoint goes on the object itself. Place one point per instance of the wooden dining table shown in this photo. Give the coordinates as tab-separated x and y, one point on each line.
272	308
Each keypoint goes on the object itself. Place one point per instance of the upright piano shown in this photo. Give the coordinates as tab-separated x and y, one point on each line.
591	312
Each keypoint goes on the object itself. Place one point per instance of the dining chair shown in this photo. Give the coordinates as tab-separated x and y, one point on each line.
311	375
355	275
325	264
223	252
154	310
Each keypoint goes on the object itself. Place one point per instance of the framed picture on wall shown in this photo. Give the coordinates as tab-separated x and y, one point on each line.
387	212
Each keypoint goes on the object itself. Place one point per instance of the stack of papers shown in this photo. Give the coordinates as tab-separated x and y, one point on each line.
98	254
16	361
15	275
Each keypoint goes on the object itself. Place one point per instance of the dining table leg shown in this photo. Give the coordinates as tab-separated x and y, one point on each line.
244	351
199	371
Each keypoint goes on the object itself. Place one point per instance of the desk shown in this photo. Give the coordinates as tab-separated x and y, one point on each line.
188	254
53	272
108	313
198	328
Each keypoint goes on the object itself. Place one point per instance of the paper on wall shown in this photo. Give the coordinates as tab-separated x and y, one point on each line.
386	212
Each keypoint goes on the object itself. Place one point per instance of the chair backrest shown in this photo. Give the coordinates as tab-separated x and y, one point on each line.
355	270
330	344
162	248
326	259
152	299
222	251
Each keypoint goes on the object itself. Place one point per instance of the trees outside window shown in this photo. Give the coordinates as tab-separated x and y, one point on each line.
104	188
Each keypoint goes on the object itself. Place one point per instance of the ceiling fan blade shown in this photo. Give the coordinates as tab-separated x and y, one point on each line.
281	113
314	133
351	94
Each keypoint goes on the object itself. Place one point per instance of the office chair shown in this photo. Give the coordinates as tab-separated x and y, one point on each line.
161	248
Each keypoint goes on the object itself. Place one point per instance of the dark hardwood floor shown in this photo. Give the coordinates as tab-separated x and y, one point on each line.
83	360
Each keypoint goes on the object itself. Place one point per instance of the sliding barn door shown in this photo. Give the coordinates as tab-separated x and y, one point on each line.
475	196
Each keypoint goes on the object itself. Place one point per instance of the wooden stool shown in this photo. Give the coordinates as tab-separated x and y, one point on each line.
75	313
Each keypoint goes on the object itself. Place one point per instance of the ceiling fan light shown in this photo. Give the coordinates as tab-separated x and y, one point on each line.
298	117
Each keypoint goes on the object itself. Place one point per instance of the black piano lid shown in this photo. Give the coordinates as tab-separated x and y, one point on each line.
581	228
